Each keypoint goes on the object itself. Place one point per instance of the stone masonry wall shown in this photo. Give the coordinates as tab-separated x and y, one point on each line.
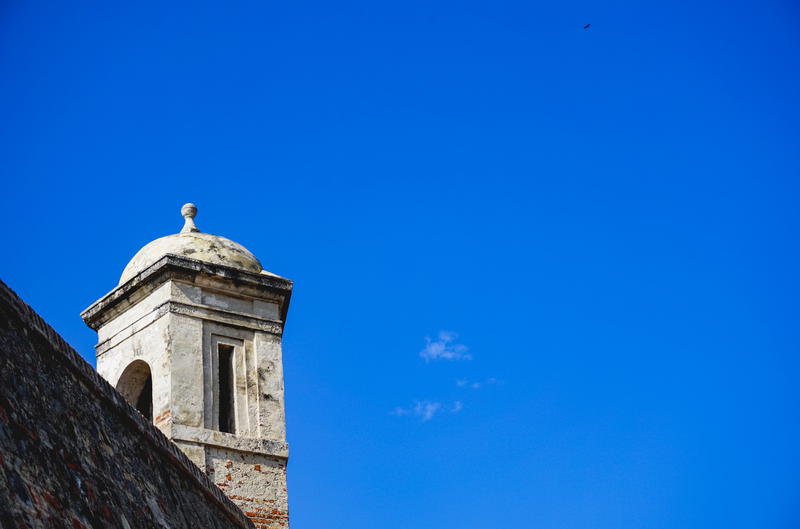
256	483
74	454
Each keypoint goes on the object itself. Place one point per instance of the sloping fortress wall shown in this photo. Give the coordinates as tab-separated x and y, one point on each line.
75	454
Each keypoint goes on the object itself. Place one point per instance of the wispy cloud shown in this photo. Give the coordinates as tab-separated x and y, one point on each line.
444	348
426	410
465	383
423	409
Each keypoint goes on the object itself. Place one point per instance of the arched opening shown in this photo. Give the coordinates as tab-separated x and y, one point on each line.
136	386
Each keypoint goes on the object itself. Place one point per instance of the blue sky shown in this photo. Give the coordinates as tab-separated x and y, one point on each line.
544	276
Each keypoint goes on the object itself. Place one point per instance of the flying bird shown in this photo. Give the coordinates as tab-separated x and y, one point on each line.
587	26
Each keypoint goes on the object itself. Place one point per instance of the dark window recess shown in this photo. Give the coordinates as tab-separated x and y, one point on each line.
227	419
145	401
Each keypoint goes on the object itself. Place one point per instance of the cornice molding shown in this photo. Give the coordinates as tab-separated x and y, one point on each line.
169	267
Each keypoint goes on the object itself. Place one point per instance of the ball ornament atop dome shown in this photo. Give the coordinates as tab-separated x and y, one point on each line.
189	212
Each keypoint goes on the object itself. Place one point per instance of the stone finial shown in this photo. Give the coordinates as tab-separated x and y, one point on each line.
189	211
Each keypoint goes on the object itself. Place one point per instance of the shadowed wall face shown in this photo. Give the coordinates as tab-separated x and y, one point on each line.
73	454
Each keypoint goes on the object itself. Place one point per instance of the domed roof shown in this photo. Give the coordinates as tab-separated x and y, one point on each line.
192	243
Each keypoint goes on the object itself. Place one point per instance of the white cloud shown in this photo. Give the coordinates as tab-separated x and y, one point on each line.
444	348
423	409
400	411
463	382
426	410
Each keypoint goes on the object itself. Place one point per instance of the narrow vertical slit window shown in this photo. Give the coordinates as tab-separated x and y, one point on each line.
227	419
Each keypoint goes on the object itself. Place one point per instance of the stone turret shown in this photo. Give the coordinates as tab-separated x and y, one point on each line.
191	337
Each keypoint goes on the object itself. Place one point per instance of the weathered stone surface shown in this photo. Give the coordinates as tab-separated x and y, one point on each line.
75	454
194	340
